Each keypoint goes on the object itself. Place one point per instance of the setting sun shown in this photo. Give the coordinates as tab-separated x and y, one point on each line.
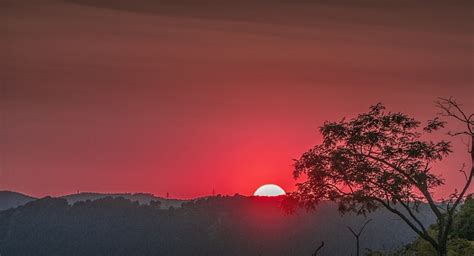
269	190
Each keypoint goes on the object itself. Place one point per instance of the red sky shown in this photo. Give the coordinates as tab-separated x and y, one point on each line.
185	98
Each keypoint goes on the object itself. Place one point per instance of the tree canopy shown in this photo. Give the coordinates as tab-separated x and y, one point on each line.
382	159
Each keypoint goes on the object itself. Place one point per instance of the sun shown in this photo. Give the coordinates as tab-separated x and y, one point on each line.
269	190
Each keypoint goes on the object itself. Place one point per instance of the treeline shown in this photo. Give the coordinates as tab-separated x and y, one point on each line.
210	226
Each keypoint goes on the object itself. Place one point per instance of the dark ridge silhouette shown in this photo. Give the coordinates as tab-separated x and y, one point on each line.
236	225
141	198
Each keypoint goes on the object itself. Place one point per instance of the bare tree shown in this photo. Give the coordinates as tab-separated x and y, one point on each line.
357	235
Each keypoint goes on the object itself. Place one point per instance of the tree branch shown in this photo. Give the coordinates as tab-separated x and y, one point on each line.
352	231
412	215
363	227
446	105
422	189
318	249
407	221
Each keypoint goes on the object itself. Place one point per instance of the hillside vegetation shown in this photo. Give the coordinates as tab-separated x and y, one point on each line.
235	225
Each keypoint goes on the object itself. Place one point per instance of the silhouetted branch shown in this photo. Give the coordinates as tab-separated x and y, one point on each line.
318	249
352	231
450	108
463	171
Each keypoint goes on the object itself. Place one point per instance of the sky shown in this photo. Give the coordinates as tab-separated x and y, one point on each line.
187	97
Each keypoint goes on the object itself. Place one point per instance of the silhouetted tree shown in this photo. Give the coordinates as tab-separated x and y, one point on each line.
380	159
357	235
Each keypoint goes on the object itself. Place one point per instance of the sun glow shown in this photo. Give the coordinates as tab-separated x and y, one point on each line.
269	190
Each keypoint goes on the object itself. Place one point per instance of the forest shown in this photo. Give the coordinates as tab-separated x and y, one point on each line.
220	225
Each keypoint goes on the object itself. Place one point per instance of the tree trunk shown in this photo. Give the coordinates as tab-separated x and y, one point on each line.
442	249
358	246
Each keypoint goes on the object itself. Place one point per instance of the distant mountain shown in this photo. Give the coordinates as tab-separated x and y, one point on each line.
141	198
9	199
209	226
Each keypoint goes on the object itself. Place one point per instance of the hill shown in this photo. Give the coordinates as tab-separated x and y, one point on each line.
141	198
229	226
9	199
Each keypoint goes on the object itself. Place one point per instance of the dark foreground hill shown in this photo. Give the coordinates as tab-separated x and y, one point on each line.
212	226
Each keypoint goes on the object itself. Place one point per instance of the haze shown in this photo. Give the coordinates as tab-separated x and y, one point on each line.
189	96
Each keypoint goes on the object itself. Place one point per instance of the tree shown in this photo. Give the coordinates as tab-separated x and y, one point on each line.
357	235
382	159
464	220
